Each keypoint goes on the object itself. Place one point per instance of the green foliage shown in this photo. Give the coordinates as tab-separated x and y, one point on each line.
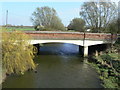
116	47
118	41
77	24
108	67
19	28
113	26
17	53
46	17
107	58
110	83
57	24
111	59
108	80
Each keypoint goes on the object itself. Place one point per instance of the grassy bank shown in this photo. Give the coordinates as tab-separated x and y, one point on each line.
19	28
107	65
2	76
108	68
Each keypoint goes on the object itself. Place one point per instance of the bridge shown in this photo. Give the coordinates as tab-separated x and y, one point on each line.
77	38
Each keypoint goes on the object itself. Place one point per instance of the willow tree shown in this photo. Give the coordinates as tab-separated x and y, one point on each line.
17	53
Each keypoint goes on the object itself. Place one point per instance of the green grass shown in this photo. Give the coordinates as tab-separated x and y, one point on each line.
115	56
19	28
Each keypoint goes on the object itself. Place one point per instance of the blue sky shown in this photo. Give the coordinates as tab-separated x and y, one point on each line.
19	13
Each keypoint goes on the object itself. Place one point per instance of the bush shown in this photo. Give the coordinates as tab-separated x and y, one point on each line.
106	58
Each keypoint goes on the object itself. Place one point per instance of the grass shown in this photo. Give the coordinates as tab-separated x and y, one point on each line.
108	68
116	56
19	28
32	29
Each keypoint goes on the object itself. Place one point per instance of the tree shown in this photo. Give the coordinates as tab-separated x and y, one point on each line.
113	27
47	17
17	53
56	24
77	24
98	15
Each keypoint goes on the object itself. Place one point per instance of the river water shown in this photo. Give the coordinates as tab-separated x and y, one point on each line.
60	66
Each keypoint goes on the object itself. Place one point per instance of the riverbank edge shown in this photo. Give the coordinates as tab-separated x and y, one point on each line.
98	70
3	78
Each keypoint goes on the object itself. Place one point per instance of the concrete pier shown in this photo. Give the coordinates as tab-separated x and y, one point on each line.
85	51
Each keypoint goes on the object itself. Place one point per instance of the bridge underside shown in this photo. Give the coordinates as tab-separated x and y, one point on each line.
84	43
76	42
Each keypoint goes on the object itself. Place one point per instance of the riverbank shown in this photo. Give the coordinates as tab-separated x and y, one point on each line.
107	66
3	77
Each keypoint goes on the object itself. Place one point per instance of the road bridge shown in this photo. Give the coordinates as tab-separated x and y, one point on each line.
78	38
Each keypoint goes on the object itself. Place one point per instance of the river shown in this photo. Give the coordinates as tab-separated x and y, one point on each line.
60	66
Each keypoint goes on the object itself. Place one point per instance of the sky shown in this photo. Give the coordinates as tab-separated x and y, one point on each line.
19	13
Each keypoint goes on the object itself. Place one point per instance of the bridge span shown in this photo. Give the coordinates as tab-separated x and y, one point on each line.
78	38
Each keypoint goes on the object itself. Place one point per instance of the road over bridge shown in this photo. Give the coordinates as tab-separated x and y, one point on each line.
78	38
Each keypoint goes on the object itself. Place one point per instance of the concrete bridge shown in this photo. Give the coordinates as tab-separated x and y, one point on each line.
78	38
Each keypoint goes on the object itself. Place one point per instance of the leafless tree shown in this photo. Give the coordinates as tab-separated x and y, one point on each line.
98	15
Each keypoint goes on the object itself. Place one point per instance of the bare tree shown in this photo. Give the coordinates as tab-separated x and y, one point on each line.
98	15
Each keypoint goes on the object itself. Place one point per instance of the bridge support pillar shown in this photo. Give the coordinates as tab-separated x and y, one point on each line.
85	51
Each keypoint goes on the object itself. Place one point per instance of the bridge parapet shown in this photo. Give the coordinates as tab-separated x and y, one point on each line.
53	35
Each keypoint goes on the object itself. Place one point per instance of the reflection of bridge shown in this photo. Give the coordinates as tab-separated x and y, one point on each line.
82	39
